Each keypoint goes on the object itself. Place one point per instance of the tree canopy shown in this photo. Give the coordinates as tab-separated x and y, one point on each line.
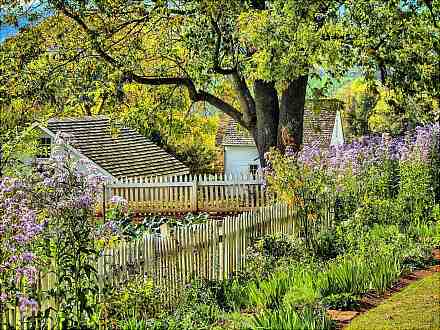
250	59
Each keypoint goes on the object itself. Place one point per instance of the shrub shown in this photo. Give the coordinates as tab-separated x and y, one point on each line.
138	298
326	245
374	210
230	295
274	251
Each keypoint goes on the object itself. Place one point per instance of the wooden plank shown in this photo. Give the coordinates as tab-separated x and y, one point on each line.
229	183
154	184
193	195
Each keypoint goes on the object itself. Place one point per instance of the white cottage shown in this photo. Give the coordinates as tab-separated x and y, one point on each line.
240	152
124	154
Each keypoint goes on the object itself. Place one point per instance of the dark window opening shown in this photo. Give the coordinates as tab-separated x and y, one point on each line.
44	147
253	169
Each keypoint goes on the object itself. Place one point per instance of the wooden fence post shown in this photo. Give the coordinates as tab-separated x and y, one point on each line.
164	230
106	197
194	188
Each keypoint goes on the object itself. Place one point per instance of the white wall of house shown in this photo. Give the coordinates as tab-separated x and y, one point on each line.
338	133
239	158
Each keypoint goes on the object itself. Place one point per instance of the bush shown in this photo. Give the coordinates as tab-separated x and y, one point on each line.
138	299
378	211
230	295
326	245
272	251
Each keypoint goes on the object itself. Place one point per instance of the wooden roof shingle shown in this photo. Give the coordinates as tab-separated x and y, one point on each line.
124	154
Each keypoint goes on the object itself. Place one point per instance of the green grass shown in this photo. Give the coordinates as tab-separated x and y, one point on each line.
415	307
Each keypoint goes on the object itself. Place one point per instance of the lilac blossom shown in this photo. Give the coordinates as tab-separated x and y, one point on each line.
24	303
118	200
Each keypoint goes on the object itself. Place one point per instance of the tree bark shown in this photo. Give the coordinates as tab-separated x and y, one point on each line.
279	122
267	110
291	119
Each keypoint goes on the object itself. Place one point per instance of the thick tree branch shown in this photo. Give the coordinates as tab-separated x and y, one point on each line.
194	94
247	102
91	33
216	59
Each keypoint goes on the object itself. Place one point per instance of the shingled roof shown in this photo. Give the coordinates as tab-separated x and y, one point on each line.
318	127
126	153
230	133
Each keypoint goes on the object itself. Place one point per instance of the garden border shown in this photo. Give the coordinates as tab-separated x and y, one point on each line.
371	300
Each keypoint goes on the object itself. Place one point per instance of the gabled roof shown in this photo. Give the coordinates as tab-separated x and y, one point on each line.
124	153
318	127
231	133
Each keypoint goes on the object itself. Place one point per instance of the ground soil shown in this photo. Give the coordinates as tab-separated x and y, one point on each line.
371	300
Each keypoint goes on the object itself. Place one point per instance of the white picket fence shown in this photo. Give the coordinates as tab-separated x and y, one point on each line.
190	193
213	250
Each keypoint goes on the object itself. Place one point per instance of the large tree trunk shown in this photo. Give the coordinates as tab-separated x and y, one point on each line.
267	109
291	120
279	123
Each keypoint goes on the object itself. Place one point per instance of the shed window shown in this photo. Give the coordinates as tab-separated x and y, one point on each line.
44	147
253	169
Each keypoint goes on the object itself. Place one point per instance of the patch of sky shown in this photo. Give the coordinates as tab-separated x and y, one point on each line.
35	9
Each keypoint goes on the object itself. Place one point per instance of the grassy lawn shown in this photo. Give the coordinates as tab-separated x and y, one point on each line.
415	307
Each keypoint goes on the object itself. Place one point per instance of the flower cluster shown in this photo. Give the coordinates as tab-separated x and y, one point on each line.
19	227
368	150
368	167
118	201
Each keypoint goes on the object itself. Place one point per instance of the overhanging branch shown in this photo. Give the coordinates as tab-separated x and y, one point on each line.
194	94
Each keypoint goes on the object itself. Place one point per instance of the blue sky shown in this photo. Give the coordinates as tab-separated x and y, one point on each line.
7	31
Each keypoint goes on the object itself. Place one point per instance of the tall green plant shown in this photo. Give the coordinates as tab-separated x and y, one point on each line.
69	245
308	318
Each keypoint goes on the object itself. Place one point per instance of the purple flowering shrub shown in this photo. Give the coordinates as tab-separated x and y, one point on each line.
70	242
380	178
117	214
47	225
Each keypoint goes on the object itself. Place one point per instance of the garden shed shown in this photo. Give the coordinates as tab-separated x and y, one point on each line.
116	151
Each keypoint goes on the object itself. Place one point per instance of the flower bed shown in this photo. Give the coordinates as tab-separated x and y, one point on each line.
387	220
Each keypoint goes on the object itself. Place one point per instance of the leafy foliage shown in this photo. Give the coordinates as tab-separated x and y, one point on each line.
216	50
